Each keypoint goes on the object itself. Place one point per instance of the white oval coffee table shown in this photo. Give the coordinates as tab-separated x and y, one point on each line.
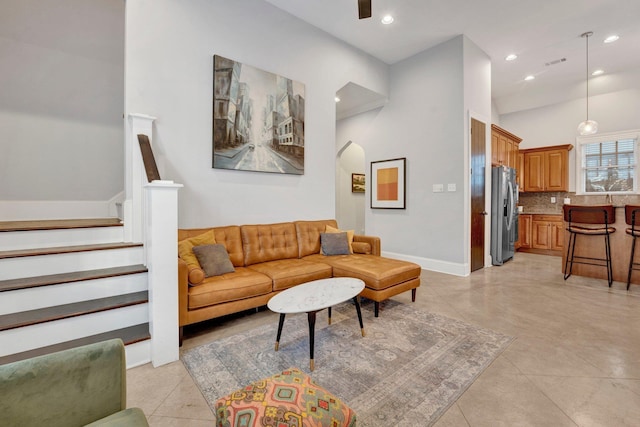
312	297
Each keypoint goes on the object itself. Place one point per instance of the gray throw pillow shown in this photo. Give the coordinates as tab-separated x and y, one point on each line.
214	259
334	243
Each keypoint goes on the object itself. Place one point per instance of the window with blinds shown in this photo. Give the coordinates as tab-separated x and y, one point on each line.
608	164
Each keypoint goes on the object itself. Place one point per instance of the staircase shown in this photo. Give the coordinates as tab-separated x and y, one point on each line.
65	283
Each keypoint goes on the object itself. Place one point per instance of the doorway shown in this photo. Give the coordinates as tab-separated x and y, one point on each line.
350	205
356	109
478	212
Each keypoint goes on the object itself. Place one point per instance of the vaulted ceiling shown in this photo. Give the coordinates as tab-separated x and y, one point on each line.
540	32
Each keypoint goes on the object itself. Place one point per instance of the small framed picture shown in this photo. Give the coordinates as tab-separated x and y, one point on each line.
357	183
388	187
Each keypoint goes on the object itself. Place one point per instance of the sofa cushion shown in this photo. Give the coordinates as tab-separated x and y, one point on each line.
185	251
196	275
286	273
229	236
214	259
241	284
309	235
269	242
334	244
350	233
377	272
185	247
361	248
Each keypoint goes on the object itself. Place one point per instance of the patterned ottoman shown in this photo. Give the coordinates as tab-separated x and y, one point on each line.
288	399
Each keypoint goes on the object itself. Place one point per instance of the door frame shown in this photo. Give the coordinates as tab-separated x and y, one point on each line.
487	193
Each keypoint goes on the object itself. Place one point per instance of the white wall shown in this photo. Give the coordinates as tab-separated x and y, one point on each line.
557	124
426	121
423	123
62	100
477	105
169	61
351	134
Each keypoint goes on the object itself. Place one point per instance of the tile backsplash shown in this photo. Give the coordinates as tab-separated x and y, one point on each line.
541	202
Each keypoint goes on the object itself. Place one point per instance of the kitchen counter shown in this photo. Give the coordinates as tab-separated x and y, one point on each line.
593	246
539	213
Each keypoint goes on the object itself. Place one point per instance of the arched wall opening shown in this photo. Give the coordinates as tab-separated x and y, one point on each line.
354	112
350	204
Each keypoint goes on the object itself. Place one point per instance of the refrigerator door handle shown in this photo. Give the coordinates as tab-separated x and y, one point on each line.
510	202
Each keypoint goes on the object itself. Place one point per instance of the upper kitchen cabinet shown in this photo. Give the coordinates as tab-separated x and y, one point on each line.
546	168
520	171
504	147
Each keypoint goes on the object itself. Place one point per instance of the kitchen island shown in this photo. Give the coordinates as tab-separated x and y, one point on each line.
593	246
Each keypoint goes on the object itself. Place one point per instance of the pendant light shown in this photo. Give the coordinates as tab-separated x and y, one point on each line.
588	127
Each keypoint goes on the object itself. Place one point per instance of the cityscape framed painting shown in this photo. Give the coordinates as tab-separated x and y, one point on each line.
258	119
388	184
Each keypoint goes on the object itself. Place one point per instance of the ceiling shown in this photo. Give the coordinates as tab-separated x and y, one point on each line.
539	32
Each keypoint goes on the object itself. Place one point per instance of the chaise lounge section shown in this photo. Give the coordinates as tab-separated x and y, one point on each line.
265	259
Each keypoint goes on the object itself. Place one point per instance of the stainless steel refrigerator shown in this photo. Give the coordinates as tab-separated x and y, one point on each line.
504	214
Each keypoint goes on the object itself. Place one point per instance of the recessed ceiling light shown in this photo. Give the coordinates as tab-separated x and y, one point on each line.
337	99
530	77
597	72
387	19
611	38
511	57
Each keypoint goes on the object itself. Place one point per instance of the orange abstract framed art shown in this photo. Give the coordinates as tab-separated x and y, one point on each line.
388	189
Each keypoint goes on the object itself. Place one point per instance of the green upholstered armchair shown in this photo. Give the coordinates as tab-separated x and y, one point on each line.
75	387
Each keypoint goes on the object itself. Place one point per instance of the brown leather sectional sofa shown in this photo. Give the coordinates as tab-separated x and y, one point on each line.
269	258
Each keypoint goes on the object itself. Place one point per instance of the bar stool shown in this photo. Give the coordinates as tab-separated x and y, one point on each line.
589	221
632	218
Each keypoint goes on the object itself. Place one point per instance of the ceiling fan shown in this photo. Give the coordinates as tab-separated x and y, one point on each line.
364	9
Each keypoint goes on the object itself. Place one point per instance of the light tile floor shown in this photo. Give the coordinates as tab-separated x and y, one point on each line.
575	360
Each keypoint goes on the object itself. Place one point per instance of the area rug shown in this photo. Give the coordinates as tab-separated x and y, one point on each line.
408	369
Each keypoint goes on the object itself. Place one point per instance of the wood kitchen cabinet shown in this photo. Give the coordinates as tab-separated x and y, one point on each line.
504	147
547	232
520	171
541	233
524	231
546	168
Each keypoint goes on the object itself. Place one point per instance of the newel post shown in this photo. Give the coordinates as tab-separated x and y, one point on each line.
161	235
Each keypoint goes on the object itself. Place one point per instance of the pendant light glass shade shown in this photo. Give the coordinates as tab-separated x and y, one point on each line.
588	127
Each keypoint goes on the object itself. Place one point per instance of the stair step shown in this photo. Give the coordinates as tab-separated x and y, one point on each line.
65	311
37	234
130	335
57	224
77	276
66	249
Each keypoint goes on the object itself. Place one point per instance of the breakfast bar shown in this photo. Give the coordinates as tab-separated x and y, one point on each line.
593	246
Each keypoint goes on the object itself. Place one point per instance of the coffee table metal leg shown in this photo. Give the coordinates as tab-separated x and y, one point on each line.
312	326
280	323
329	315
355	300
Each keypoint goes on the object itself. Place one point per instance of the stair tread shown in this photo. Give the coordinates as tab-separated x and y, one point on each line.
54	224
64	311
66	249
76	276
129	335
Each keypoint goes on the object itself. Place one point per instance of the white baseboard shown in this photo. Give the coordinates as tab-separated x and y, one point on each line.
455	269
25	210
